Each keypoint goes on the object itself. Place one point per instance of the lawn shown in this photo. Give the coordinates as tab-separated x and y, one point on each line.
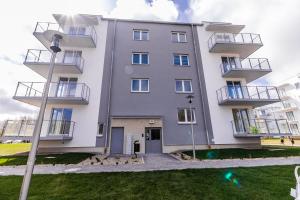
66	158
261	183
10	149
245	153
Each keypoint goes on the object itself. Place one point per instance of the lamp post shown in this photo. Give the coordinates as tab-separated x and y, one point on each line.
190	98
38	126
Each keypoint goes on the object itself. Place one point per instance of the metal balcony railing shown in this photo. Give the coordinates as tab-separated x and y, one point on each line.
44	56
25	128
261	127
57	90
245	64
71	30
247	93
230	38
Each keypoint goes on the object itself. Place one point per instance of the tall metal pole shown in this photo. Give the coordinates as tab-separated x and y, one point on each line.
190	97
38	126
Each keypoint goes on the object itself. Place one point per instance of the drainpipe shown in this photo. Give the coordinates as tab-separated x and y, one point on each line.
107	140
200	87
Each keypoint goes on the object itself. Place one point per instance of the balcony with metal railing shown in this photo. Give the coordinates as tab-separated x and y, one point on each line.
260	127
255	96
59	93
243	44
51	130
73	36
250	68
71	62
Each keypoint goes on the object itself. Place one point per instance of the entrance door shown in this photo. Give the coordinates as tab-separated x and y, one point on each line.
117	140
153	140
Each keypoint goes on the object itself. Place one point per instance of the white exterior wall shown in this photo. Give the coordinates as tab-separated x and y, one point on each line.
221	116
85	116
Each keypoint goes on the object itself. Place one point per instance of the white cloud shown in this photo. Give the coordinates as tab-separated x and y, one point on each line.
140	9
275	20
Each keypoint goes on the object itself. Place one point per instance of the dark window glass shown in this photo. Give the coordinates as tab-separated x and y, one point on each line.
144	58
136	35
136	58
181	115
176	60
185	60
155	134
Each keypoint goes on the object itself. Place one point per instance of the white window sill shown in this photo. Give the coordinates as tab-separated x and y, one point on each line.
186	123
99	136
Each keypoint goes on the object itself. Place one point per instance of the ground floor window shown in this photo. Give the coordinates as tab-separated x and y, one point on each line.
185	115
294	128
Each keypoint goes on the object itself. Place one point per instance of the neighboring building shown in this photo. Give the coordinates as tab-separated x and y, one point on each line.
288	109
118	82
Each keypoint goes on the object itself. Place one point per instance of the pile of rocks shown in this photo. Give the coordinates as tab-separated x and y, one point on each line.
181	156
112	160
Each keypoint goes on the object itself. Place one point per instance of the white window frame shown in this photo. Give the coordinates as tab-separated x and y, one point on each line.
182	85
185	116
140	85
140	58
180	59
140	33
178	36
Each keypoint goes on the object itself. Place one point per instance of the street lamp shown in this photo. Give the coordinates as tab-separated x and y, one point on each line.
190	98
38	126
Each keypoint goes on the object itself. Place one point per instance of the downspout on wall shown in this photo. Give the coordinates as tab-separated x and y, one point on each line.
108	119
205	114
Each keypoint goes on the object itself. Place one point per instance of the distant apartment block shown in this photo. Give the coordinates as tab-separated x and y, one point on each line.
118	82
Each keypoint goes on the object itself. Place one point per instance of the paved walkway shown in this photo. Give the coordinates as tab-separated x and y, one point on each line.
152	163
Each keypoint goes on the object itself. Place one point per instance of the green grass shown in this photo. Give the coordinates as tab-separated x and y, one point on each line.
66	158
245	153
10	149
261	183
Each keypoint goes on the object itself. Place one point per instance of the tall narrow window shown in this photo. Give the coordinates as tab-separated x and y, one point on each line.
140	35
140	58
60	122
185	115
140	85
178	37
181	60
183	86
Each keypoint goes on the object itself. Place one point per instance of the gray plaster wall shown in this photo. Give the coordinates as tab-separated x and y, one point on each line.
162	100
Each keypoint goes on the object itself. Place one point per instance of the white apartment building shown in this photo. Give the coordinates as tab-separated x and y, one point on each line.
121	82
288	108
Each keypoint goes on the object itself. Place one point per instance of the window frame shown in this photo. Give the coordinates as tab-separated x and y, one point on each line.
180	60
178	36
183	88
140	34
140	85
185	116
140	58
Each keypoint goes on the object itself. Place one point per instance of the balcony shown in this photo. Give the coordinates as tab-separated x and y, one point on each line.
73	36
39	60
243	44
59	93
51	130
250	69
260	128
255	96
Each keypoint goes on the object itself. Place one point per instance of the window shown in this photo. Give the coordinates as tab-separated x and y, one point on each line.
140	35
290	116
297	85
181	60
76	30
178	37
184	115
140	85
184	86
140	58
60	122
294	128
66	87
100	129
72	57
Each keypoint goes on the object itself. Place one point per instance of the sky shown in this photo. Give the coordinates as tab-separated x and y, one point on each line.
278	22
